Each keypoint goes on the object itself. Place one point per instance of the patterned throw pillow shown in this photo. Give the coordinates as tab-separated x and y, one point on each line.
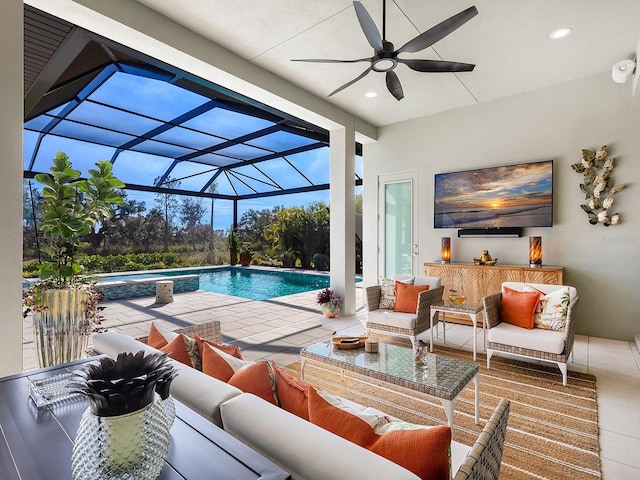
388	292
551	312
160	337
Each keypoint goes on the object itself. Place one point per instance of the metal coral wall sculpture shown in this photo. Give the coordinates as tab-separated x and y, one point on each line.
598	186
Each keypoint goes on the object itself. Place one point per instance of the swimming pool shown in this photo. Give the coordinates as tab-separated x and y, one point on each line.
251	283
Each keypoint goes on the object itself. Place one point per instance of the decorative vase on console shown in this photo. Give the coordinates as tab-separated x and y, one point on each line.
330	302
124	433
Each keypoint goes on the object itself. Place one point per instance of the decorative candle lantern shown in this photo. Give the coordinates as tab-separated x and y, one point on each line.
535	251
445	250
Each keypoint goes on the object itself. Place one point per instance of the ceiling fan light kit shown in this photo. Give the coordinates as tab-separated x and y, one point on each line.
386	58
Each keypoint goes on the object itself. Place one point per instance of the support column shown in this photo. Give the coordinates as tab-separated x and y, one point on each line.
11	120
342	144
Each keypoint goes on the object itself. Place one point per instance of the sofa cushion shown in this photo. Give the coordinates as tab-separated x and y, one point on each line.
551	311
160	337
388	292
534	339
177	350
518	308
421	449
305	450
219	364
293	393
230	349
407	297
257	378
392	319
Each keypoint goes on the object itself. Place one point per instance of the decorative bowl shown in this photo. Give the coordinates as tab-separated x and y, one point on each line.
457	299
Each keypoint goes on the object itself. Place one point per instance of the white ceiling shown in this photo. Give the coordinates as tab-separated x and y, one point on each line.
508	41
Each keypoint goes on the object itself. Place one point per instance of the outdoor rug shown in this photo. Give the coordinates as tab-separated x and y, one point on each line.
552	431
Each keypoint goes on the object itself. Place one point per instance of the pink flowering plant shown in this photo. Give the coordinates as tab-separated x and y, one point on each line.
331	297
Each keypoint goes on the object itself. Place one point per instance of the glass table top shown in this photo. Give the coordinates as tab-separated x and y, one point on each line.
444	377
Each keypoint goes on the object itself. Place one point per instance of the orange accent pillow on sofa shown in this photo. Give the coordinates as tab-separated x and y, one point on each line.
423	450
518	308
292	392
407	297
230	349
177	350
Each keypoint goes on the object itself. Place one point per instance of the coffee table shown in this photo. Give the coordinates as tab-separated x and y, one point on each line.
467	308
443	379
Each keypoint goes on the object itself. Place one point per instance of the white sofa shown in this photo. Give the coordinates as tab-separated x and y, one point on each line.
540	344
306	451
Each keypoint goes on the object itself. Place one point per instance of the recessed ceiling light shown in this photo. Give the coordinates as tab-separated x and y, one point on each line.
371	94
560	33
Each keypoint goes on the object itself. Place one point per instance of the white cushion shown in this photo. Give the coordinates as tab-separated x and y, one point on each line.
536	339
543	287
392	319
433	282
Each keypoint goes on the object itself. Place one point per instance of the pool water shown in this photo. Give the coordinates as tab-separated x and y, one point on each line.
251	283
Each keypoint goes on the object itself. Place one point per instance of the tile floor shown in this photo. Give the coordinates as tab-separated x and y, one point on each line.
277	328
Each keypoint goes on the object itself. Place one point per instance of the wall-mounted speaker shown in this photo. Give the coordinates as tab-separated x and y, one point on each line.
510	232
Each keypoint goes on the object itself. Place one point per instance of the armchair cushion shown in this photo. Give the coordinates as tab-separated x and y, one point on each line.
518	308
551	312
392	319
535	339
407	297
388	291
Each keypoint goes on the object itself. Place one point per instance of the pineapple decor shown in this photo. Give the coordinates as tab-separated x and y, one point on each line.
125	431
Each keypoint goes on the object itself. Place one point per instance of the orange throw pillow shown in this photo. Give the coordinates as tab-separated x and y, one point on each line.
156	339
230	349
219	364
518	308
292	392
177	350
407	297
257	378
423	450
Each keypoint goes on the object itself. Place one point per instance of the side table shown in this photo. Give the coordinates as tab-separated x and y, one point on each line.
470	309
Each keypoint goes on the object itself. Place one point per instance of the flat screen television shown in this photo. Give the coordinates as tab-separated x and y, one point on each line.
498	197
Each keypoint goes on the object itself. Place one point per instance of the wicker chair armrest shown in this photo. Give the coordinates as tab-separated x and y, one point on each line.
425	300
492	309
373	297
570	326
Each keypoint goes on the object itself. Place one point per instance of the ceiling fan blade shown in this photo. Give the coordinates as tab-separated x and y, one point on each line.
330	60
435	66
431	36
339	89
368	27
394	86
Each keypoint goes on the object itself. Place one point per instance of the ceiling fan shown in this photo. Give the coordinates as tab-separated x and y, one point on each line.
386	59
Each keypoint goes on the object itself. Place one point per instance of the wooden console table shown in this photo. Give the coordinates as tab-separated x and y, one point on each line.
481	280
36	444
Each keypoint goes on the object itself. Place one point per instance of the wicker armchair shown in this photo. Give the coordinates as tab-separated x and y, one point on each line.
551	346
483	461
404	324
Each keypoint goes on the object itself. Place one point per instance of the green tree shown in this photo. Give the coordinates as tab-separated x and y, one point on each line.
191	213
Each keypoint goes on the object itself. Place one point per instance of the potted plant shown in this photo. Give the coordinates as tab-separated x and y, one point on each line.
64	303
330	302
246	254
234	244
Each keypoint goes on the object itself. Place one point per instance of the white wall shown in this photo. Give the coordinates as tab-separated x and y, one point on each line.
553	123
11	187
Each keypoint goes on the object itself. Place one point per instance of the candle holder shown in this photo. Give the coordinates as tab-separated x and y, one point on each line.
445	250
535	251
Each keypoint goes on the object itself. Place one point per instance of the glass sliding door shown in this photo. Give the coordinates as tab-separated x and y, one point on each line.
398	253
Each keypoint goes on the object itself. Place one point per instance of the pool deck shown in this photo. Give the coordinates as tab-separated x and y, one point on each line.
272	329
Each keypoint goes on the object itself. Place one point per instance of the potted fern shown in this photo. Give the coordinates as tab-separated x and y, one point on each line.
64	303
